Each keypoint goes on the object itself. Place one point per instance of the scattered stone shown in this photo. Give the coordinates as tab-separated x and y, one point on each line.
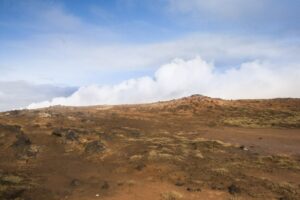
32	151
193	189
22	141
173	195
44	115
120	183
24	147
71	118
139	167
97	195
11	179
242	147
179	183
94	147
105	136
134	134
220	171
36	126
218	186
283	198
14	112
233	189
105	185
131	182
199	155
71	135
48	125
135	158
75	183
11	128
194	146
13	193
155	155
57	133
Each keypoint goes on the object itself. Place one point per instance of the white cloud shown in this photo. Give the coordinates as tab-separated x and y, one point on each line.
54	57
185	77
18	94
61	47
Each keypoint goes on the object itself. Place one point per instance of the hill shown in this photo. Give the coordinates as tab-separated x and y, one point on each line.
195	147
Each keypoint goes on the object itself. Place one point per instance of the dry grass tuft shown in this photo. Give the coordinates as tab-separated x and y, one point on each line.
172	195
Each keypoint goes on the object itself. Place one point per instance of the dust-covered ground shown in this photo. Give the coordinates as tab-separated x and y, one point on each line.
185	149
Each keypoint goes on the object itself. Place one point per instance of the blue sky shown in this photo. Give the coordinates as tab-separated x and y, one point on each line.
103	44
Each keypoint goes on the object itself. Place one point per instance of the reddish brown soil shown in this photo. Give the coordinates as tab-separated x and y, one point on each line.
191	148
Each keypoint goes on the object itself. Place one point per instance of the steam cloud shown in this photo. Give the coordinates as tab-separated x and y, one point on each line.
180	78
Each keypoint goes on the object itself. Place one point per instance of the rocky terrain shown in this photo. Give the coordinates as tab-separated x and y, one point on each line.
185	149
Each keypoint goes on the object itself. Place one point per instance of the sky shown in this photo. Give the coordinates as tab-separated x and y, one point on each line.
78	53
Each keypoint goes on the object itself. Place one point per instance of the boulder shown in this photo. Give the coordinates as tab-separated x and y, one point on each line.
57	133
94	147
105	185
71	135
233	189
75	183
22	141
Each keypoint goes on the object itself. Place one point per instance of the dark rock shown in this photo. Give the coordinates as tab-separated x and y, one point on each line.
105	185
218	186
190	189
12	193
106	136
22	141
283	198
24	148
32	151
75	182
242	147
36	126
139	167
94	147
57	133
10	128
233	189
134	134
71	135
194	145
179	183
120	183
48	125
15	112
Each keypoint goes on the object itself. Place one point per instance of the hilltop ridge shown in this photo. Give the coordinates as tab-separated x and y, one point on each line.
190	148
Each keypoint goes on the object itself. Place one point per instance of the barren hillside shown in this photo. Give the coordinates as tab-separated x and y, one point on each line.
191	148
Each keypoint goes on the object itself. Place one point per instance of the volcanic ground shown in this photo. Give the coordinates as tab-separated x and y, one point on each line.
186	149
